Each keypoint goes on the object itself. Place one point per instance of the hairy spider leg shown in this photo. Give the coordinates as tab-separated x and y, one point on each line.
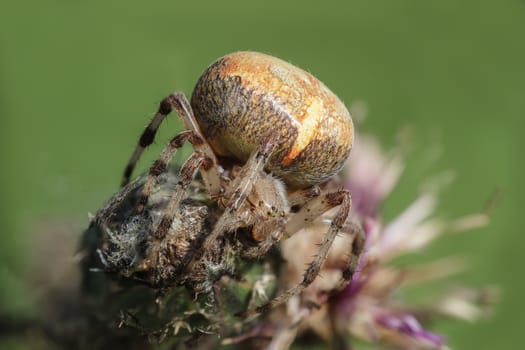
358	243
187	173
299	197
161	164
248	175
300	201
180	103
341	198
312	208
211	175
146	139
316	205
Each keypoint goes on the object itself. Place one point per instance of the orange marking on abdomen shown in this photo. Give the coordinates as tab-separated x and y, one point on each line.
306	131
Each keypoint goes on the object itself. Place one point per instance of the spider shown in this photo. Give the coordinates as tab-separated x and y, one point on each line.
267	139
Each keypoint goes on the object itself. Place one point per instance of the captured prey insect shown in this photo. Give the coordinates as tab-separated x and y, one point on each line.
267	140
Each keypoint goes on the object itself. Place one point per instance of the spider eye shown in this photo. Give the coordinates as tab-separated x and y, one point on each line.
295	208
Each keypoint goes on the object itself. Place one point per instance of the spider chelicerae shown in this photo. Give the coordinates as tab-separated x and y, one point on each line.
267	140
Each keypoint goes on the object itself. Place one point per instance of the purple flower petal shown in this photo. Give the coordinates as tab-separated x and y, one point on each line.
409	325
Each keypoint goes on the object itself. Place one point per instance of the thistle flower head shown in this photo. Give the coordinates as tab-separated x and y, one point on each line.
371	306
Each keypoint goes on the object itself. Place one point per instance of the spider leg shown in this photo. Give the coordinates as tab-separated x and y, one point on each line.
298	197
188	171
211	173
356	249
315	205
161	164
146	139
249	173
341	198
158	167
180	103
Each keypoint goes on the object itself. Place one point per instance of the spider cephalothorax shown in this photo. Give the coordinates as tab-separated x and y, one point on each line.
267	136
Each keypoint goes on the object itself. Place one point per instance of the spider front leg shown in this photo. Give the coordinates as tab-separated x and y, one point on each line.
242	186
187	173
311	210
180	103
161	164
158	167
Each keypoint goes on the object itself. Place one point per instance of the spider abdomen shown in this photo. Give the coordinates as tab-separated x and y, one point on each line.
245	96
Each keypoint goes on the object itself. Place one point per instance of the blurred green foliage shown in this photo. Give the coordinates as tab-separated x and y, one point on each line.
78	80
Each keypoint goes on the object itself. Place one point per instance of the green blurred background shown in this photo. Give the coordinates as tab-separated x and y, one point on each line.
79	79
